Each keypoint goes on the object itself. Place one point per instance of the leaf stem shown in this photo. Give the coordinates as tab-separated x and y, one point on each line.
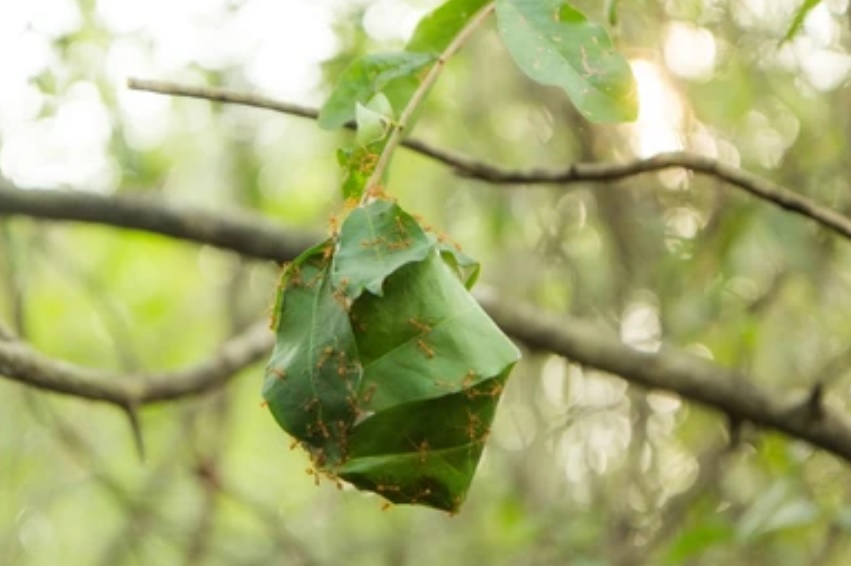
398	129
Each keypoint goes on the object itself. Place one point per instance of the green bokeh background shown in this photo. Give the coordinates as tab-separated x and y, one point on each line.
581	468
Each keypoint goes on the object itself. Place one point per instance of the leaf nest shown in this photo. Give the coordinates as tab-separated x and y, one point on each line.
385	368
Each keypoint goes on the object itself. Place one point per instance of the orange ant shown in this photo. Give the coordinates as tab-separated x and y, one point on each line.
425	348
387	488
370	391
444	239
474	429
469	380
422	450
400	245
401	226
367	243
310	405
423	224
340	295
496	389
315	473
323	429
420	326
327	352
377	192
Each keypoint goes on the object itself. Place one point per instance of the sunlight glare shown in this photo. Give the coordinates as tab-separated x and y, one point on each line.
392	20
690	51
660	115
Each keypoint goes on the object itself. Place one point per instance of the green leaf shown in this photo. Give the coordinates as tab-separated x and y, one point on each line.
393	389
375	241
358	163
465	267
555	44
314	374
397	75
373	120
777	508
438	28
696	540
798	21
425	337
425	452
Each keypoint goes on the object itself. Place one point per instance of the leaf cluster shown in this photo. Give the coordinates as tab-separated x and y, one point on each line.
385	368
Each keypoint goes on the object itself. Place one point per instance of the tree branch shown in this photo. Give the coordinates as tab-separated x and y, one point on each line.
21	363
757	186
687	375
250	236
692	378
751	183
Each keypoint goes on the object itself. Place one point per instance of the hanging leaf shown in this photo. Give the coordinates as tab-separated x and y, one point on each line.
397	75
554	44
385	368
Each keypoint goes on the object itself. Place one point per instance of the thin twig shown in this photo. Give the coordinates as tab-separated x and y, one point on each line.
21	363
132	412
399	127
464	166
222	95
215	94
754	184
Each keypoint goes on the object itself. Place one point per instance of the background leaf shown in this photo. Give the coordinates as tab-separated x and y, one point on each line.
555	44
436	29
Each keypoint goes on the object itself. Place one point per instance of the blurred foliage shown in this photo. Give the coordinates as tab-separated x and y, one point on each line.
581	468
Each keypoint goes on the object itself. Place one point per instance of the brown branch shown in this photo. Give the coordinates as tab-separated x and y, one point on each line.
214	94
751	183
757	186
687	375
222	95
692	378
250	236
21	363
